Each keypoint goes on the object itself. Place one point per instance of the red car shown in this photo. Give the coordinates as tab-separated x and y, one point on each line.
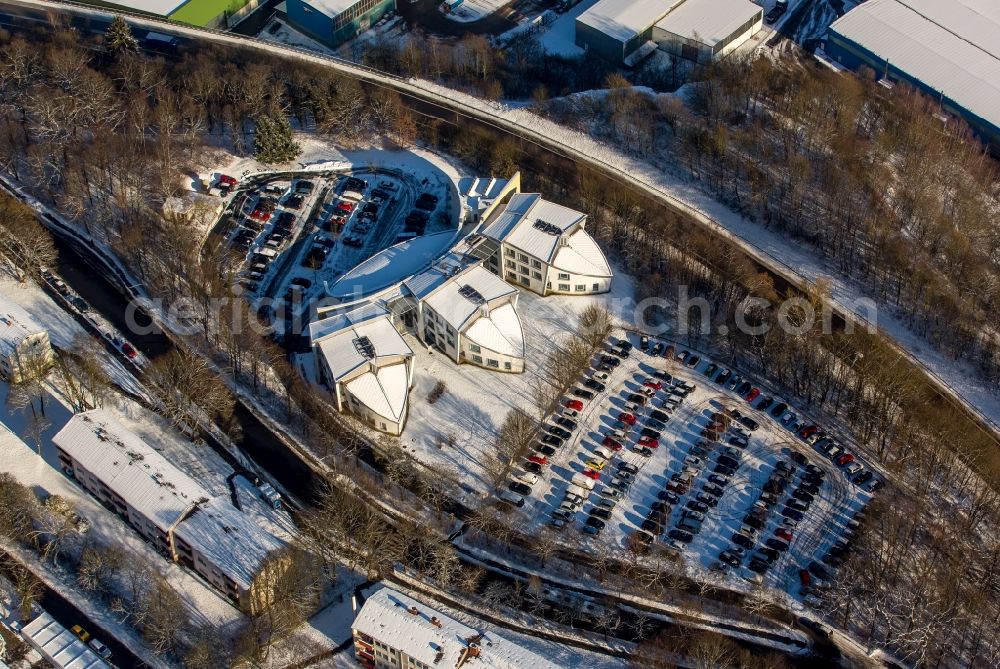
128	350
753	394
653	383
576	405
226	180
345	206
612	444
783	533
590	473
805	577
808	431
648	442
678	488
626	418
539	460
845	459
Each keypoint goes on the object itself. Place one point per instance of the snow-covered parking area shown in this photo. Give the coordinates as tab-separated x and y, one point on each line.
776	486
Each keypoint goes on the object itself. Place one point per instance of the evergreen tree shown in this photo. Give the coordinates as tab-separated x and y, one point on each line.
119	37
272	140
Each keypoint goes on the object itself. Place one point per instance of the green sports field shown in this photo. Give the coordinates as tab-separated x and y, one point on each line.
201	12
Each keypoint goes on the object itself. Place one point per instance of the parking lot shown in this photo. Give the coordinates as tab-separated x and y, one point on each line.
661	451
293	234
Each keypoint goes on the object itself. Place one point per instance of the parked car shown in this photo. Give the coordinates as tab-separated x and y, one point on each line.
552	440
681	535
565	422
585	394
559	432
519	488
575	405
594	384
753	394
627	418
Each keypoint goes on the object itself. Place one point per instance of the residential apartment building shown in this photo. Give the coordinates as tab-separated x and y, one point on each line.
167	507
545	247
366	364
394	631
24	345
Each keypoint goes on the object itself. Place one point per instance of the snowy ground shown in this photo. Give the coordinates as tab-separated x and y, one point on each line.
560	36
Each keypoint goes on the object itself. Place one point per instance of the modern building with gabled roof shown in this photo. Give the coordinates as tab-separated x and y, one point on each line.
545	247
365	362
469	314
60	647
24	344
174	512
394	630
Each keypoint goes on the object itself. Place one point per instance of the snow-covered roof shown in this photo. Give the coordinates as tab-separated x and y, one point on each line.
59	645
952	47
500	331
390	266
356	339
624	19
229	539
710	20
581	255
550	232
130	467
383	390
387	616
331	7
459	297
158	7
479	192
533	224
15	325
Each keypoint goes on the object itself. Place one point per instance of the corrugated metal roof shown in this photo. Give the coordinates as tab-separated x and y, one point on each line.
711	20
624	19
130	467
422	635
953	48
59	645
230	540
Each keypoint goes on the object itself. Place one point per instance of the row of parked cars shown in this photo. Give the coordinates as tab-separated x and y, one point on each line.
854	470
266	230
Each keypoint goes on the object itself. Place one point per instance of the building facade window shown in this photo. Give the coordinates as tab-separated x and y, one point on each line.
493	363
536	275
478	359
564	287
522	257
509	253
580	287
475	348
510	263
536	263
563	277
597	287
522	269
506	366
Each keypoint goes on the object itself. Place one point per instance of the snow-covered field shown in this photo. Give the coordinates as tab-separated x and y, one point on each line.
560	36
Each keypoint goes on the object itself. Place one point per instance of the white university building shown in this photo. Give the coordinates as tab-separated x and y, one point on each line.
364	361
545	247
395	631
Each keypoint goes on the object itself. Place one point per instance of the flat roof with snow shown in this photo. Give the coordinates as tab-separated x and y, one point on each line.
229	539
624	19
710	20
15	325
387	616
331	8
130	467
391	266
59	645
951	47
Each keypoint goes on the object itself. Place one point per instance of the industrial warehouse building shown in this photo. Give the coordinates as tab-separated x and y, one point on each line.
625	31
393	630
948	50
332	22
169	508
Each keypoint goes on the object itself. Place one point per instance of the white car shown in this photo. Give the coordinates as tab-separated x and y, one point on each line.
853	468
100	648
600	376
604	452
572	414
528	478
